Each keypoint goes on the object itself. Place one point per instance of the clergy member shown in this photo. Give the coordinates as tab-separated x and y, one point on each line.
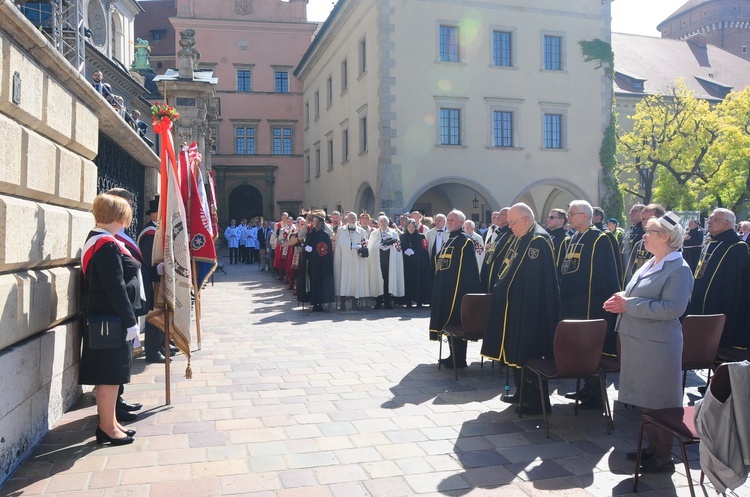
316	267
494	251
386	265
722	279
525	303
350	263
456	274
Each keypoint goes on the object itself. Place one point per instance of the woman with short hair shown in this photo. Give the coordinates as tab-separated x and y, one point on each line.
112	286
651	333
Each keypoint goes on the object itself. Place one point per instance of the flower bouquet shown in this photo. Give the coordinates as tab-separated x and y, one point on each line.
163	116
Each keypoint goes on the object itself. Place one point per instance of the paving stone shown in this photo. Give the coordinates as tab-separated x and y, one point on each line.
285	404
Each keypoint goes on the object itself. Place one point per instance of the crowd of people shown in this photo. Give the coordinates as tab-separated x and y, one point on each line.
580	265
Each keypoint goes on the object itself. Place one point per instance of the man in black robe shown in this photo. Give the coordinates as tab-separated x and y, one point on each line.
456	274
598	221
495	249
316	262
556	221
632	236
691	247
722	280
525	306
638	253
588	277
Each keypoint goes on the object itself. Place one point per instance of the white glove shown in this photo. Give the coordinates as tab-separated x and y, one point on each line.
160	269
308	248
409	252
132	332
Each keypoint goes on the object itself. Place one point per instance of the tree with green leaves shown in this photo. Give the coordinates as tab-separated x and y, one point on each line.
670	146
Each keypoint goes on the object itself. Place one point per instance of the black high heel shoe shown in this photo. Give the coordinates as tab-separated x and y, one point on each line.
102	438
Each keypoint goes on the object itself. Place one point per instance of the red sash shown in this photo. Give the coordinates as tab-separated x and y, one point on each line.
147	231
131	245
95	243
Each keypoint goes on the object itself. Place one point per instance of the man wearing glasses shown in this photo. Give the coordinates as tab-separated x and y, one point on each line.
556	221
495	248
588	277
525	304
638	254
722	279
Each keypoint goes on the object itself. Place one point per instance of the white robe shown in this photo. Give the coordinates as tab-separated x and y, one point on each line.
431	235
350	271
395	267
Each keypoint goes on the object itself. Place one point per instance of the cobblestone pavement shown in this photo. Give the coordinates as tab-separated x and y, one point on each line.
285	402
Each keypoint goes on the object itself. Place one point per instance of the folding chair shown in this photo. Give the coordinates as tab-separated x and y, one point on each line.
475	307
700	342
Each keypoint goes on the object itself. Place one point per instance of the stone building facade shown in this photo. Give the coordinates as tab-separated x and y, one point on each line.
722	23
52	125
252	48
429	105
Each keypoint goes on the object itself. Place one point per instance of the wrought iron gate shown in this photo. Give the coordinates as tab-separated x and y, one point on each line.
117	169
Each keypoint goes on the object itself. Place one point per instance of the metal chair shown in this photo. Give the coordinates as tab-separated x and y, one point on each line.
700	342
680	422
577	352
475	307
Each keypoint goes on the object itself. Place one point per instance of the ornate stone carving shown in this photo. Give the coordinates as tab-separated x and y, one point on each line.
243	7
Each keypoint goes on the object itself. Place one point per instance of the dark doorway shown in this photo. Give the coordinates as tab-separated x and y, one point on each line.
245	202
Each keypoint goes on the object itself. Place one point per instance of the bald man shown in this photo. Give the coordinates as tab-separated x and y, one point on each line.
525	303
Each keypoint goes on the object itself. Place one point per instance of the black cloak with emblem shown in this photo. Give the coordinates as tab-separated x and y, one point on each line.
588	277
494	253
456	274
316	284
560	240
525	306
722	286
619	267
416	268
637	258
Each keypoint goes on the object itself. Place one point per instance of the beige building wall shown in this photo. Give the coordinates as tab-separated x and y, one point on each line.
406	84
50	120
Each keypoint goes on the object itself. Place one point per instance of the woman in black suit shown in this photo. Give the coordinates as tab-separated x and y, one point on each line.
112	286
416	266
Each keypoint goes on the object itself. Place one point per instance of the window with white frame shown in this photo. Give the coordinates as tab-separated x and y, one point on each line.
553	131
362	50
282	140
329	150
553	53
307	166
281	81
316	101
244	82
344	76
244	139
329	92
502	48
448	43
307	114
345	145
502	129
317	159
450	126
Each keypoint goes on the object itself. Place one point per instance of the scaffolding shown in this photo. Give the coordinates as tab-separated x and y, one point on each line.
62	22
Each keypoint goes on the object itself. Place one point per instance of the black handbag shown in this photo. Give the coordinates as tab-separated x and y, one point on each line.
363	251
104	332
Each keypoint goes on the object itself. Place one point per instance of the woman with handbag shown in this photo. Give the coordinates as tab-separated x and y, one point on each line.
112	285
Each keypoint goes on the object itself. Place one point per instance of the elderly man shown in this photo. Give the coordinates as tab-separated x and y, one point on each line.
588	277
525	303
456	274
417	216
638	253
469	228
556	221
722	279
632	236
494	251
492	232
350	263
316	267
386	264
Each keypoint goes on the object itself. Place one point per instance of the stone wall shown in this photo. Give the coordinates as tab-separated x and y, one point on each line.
49	134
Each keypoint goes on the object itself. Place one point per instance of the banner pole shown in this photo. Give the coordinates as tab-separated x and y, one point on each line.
167	358
197	303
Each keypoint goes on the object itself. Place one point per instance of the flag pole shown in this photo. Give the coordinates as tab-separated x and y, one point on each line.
197	303
167	358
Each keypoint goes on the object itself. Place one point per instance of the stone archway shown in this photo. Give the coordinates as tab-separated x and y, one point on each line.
365	200
445	194
550	193
245	202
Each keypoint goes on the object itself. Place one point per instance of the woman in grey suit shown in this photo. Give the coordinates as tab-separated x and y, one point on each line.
651	333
